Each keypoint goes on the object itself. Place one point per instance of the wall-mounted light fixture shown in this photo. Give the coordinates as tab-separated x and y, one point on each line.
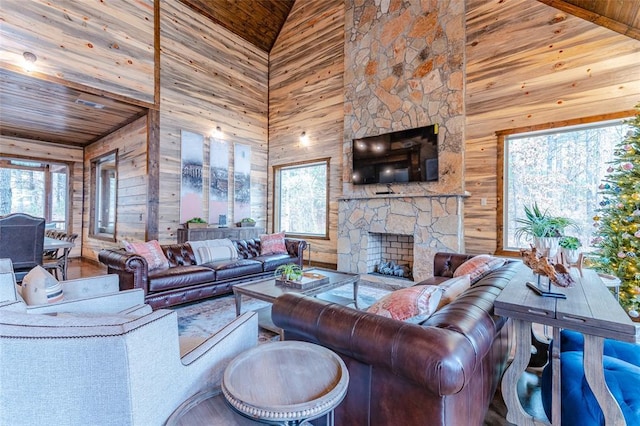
29	61
217	133
304	139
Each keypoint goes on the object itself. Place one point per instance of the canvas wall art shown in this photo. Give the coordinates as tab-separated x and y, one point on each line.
242	182
218	180
192	155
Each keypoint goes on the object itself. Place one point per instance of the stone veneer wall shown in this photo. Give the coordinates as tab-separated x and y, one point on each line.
434	222
404	68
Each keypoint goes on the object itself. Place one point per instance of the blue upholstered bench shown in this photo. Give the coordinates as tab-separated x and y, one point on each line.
579	405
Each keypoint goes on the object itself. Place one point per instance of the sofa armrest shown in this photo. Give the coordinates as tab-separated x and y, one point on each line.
440	360
103	304
132	269
445	264
296	247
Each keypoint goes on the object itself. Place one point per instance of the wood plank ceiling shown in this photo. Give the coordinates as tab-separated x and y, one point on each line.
37	109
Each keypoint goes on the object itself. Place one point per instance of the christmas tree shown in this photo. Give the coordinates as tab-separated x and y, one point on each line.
617	235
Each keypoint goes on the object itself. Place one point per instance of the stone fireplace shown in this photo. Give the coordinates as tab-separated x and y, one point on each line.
434	223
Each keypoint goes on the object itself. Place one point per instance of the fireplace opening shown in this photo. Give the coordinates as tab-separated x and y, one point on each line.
390	255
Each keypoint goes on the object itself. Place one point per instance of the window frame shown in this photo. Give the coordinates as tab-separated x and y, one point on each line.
502	165
46	168
326	161
93	217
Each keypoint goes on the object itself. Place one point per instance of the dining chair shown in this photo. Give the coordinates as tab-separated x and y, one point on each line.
58	262
21	240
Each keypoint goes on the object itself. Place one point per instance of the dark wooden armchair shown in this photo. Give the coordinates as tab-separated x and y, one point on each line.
21	240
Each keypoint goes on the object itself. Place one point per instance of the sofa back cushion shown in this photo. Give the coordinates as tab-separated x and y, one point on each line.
478	266
414	304
452	288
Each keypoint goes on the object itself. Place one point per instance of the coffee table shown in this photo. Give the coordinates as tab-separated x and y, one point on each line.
267	290
286	383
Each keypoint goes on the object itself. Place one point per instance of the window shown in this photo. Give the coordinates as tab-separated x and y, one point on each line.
103	213
37	188
561	170
301	204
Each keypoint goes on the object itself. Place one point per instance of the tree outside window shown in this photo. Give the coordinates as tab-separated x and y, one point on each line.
40	189
301	205
560	170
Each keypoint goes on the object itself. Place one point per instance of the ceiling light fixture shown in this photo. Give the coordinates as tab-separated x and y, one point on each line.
304	139
29	61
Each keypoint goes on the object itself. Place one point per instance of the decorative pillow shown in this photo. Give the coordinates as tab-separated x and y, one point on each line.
40	287
214	254
151	251
272	244
408	303
478	266
452	288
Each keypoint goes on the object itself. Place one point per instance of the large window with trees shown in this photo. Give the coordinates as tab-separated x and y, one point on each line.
104	177
37	188
560	169
301	198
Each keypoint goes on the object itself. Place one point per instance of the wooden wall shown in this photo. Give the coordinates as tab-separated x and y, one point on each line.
549	67
306	94
72	156
106	45
209	77
131	206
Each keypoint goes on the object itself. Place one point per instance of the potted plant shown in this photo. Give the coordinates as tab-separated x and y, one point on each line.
570	248
196	222
288	272
247	221
545	230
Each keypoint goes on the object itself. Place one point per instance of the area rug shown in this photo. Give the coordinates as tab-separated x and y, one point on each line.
207	317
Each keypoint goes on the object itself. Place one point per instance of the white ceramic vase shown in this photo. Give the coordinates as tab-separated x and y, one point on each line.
547	246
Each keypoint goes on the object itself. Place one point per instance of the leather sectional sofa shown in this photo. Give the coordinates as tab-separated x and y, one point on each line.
443	371
186	281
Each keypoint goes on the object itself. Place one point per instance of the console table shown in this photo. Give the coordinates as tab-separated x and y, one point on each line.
233	233
589	308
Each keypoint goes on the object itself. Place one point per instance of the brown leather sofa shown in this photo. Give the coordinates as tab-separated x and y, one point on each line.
185	281
444	371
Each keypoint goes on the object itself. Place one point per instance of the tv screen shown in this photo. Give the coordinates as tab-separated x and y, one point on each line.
403	156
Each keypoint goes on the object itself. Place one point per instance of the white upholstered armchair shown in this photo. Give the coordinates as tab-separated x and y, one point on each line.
84	368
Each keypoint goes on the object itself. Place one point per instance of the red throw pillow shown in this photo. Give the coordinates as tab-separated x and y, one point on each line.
478	266
416	303
272	244
151	251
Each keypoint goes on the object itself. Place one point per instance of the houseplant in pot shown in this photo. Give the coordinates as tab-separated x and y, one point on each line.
570	248
247	221
288	272
543	229
196	222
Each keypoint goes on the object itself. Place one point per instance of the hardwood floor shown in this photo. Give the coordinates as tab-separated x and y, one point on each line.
528	387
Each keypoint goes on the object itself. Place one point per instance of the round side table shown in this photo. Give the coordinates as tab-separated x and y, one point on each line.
286	383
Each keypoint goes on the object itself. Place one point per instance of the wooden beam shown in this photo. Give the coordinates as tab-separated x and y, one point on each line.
596	18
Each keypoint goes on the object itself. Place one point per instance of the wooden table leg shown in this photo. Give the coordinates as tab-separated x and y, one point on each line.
515	413
594	373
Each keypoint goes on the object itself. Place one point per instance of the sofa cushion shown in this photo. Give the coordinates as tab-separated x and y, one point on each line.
478	266
151	251
272	244
216	247
272	261
414	303
180	276
235	268
452	288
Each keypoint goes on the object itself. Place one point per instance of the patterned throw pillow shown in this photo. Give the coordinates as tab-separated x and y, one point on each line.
272	244
452	288
414	304
40	287
478	266
151	251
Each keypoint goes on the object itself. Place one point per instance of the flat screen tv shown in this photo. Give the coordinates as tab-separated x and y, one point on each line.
403	156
